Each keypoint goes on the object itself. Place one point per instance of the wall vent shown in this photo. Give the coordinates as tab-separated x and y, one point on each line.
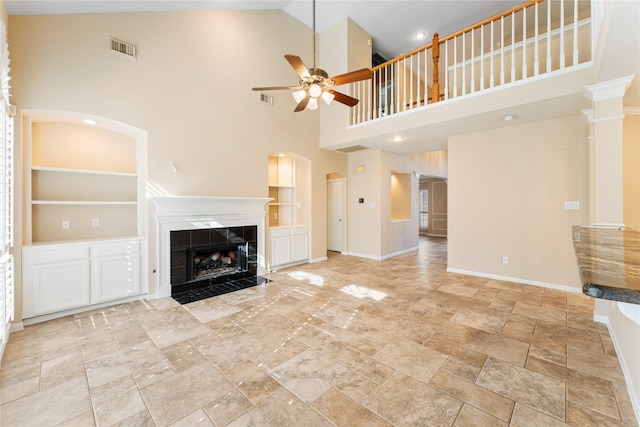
123	48
266	98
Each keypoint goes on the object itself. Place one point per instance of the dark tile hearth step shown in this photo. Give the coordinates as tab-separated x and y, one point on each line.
219	289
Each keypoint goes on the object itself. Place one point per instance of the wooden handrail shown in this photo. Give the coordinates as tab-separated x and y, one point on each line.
458	33
493	18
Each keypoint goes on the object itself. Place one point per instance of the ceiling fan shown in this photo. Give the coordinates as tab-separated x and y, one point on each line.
315	82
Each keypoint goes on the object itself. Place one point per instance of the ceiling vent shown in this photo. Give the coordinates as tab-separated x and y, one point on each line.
126	49
352	148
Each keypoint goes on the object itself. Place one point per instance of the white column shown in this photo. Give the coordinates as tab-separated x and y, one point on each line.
607	100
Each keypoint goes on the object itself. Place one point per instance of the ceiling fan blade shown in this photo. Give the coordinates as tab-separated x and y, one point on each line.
298	65
353	76
302	104
277	88
344	99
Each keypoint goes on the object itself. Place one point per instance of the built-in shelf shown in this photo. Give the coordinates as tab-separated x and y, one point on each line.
82	171
82	202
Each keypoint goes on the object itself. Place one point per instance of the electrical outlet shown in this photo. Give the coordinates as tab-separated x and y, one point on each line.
572	204
95	222
66	224
505	260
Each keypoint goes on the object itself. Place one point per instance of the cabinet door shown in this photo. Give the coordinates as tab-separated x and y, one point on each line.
60	286
280	250
116	277
299	247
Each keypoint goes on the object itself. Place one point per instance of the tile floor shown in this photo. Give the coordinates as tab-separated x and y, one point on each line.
348	342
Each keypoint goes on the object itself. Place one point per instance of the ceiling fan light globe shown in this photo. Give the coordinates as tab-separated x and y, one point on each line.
328	97
315	90
313	104
299	95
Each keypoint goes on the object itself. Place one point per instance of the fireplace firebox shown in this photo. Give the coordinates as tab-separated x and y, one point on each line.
216	261
209	262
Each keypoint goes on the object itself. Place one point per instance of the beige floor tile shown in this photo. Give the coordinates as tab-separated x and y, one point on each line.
364	365
62	369
356	386
405	401
551	315
480	321
197	418
83	420
183	355
173	398
524	416
538	391
478	397
139	419
583	417
226	408
253	382
282	409
592	392
413	359
343	411
600	365
473	417
49	407
309	374
507	349
116	401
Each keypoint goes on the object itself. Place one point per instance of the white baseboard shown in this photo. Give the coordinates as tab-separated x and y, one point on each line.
16	326
383	257
633	396
56	315
319	259
516	280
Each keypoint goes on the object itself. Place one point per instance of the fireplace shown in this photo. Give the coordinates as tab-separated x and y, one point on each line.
217	261
213	255
208	246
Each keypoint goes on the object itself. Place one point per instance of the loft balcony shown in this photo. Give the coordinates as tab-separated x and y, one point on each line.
537	56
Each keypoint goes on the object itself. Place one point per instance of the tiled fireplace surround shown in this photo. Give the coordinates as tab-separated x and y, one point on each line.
183	213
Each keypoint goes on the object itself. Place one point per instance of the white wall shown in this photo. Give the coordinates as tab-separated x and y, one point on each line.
190	89
507	189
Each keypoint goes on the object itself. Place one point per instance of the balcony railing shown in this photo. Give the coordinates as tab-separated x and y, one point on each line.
536	38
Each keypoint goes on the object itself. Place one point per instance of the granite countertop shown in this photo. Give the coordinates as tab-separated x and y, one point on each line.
609	262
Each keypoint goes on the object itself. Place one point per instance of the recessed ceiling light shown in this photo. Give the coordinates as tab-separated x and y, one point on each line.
397	138
281	155
509	117
89	121
420	35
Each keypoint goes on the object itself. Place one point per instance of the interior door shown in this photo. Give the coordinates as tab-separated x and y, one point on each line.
334	215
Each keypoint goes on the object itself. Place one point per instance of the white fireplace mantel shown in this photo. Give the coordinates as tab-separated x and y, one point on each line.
175	213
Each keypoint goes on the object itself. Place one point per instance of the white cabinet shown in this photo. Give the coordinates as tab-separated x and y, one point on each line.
289	245
60	277
116	271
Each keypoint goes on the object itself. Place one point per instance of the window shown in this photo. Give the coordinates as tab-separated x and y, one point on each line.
6	193
424	208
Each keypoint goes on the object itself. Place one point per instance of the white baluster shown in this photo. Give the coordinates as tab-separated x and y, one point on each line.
473	62
464	64
548	36
536	58
524	43
482	57
576	58
562	29
513	46
446	69
502	50
455	67
491	74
